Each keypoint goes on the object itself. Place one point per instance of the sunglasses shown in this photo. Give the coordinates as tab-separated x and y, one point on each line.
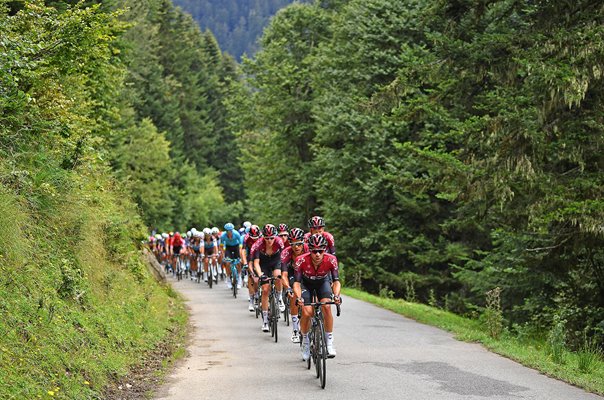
317	251
269	237
284	235
298	244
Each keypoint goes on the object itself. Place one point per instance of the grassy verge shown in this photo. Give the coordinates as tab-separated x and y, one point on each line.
533	354
78	307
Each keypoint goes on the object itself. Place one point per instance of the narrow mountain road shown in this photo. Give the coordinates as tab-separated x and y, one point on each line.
381	355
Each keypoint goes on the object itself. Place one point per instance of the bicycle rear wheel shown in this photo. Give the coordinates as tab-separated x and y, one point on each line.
210	278
286	311
234	278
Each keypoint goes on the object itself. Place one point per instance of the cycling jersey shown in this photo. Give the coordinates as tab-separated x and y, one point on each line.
234	240
306	271
331	244
268	263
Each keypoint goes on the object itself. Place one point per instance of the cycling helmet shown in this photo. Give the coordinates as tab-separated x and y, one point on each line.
227	227
247	224
316	222
188	234
171	233
207	231
241	231
215	230
269	230
198	234
254	231
317	242
282	228
193	230
164	235
158	236
296	235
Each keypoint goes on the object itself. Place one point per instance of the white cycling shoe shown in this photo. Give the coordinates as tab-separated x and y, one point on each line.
295	337
228	283
305	351
265	327
281	305
250	307
331	351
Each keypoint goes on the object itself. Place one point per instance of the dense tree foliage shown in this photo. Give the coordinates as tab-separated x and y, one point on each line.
452	147
237	24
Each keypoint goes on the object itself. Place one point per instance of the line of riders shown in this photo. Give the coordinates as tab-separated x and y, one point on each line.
305	261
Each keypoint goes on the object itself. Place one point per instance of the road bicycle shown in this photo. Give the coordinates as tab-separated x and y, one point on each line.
273	307
234	273
318	345
179	268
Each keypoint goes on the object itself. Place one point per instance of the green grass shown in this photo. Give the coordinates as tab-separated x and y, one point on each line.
533	354
78	308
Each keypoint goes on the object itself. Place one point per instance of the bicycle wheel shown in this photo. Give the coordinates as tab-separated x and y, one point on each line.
311	344
286	311
321	354
210	278
234	281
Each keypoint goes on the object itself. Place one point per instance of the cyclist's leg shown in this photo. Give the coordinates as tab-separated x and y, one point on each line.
307	313
324	293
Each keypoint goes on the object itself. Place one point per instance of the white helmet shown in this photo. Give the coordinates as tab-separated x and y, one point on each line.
207	231
188	233
164	235
158	236
215	230
193	231
198	234
247	224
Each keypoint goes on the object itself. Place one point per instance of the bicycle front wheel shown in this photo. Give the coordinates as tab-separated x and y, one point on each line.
275	316
321	354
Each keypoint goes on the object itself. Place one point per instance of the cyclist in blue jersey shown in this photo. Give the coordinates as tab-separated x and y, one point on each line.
209	249
231	243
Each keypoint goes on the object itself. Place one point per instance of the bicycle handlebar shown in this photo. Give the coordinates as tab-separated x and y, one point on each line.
317	304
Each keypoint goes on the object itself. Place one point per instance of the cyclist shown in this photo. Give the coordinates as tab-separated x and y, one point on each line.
231	244
283	232
311	275
216	234
288	258
176	246
317	225
266	254
195	247
252	282
208	250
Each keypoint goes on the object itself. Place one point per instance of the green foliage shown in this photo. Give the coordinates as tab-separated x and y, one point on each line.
556	340
77	304
493	313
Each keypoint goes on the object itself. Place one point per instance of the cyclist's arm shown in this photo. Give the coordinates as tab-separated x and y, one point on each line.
257	267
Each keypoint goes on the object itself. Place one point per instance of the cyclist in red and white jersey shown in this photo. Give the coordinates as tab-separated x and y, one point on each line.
288	257
266	254
312	274
283	233
252	282
317	225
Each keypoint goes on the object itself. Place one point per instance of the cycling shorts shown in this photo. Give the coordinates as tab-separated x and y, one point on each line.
196	249
176	250
209	251
232	252
321	286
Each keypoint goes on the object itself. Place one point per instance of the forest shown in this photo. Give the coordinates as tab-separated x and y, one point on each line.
455	150
237	24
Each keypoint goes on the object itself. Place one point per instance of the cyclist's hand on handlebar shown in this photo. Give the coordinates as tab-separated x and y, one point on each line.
263	278
300	301
337	299
290	293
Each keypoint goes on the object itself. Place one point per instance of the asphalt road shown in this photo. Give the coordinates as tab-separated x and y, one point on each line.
381	355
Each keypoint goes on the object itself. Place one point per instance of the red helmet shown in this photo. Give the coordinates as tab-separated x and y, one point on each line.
282	228
316	222
255	232
296	235
269	230
317	242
